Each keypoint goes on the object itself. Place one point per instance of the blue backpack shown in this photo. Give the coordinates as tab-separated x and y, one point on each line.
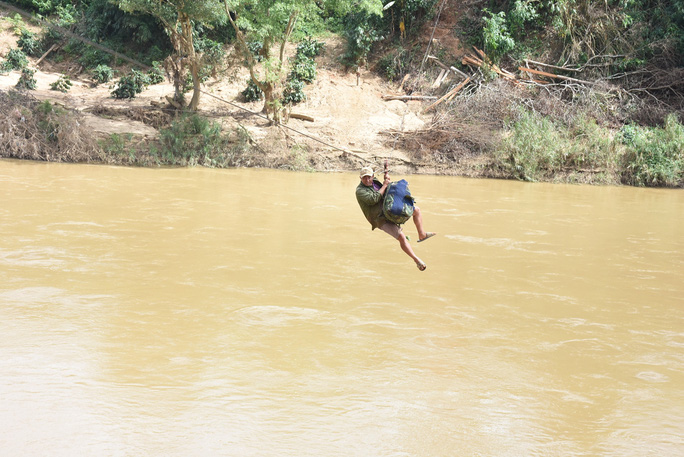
398	204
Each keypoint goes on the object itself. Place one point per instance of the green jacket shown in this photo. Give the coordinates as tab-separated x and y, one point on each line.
370	201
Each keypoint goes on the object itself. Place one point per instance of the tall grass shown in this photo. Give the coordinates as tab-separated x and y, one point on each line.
654	156
537	148
195	140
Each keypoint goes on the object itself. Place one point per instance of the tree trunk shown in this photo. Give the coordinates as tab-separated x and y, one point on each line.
193	58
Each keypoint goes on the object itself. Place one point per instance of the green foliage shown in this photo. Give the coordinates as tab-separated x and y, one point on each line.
44	7
102	74
310	48
255	48
252	93
395	63
156	73
195	140
91	57
129	33
538	148
63	84
17	24
413	13
294	92
67	15
14	60
655	156
303	69
131	85
27	80
212	56
119	146
496	37
521	14
29	45
51	118
361	30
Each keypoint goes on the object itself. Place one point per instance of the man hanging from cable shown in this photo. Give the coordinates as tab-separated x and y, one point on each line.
387	205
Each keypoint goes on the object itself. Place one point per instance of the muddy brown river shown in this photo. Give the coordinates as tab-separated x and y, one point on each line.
197	312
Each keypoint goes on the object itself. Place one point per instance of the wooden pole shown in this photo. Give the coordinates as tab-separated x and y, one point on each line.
551	75
448	95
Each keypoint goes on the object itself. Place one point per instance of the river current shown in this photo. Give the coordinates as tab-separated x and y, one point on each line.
198	312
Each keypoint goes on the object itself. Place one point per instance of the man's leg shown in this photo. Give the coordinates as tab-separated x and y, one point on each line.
395	231
418	220
406	247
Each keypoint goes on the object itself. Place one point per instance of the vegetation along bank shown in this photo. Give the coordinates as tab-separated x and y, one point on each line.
549	90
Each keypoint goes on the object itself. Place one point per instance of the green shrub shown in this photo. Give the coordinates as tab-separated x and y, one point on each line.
497	40
15	60
309	48
294	92
193	140
536	148
102	74
655	156
27	79
131	85
17	23
91	57
303	69
63	84
361	30
156	73
394	64
255	48
252	93
29	45
531	149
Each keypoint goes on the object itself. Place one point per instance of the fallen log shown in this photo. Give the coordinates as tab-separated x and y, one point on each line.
555	67
409	97
449	95
551	75
302	117
52	48
445	67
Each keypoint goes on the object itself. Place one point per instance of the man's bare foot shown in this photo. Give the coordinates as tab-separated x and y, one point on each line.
427	235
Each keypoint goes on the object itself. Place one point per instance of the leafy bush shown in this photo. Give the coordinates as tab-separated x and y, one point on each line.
303	69
294	92
17	23
27	80
102	74
15	60
63	84
361	31
212	57
497	40
655	156
395	64
156	73
252	93
193	140
310	48
411	12
29	45
255	48
131	85
91	57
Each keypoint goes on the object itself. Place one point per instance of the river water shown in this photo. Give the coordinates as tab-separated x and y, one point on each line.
196	312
